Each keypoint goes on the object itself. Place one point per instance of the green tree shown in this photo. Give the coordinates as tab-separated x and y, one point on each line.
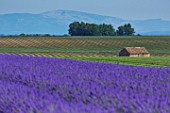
92	30
86	29
73	27
120	31
125	30
22	35
106	30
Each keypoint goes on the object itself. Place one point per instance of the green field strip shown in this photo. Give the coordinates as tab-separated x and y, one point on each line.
150	61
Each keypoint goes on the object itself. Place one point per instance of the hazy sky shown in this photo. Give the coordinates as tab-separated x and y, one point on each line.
126	9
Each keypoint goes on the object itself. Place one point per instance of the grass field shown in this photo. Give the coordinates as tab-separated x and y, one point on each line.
144	61
90	48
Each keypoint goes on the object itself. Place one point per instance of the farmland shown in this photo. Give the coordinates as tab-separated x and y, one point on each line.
83	75
90	48
50	85
157	46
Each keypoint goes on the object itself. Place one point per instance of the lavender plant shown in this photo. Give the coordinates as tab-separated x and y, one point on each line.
49	85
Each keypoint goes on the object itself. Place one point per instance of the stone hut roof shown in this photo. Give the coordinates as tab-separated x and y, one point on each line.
136	50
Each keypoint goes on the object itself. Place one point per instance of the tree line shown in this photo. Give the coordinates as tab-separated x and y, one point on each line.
87	29
34	35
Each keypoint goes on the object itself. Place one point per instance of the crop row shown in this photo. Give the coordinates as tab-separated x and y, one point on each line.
49	85
150	43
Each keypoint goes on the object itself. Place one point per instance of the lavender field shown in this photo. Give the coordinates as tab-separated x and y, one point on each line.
50	85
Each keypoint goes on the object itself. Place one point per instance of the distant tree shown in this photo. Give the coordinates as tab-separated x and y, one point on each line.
65	35
86	29
46	35
125	30
22	35
74	28
106	30
120	31
129	31
91	30
36	35
138	35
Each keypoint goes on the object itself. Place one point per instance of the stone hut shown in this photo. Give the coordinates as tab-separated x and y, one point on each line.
134	52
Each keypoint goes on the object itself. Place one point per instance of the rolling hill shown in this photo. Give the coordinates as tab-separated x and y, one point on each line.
57	22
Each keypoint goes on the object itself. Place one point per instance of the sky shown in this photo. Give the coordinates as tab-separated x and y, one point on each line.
126	9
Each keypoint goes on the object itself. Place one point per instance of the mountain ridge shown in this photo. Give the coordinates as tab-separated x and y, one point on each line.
57	22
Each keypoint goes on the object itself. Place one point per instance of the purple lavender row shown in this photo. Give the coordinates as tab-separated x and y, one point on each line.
16	98
81	87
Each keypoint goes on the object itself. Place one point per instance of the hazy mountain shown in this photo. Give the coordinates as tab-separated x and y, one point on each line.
57	22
